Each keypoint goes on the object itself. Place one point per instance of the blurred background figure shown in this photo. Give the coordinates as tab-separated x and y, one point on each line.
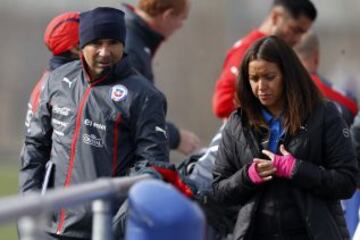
287	19
61	37
149	24
308	50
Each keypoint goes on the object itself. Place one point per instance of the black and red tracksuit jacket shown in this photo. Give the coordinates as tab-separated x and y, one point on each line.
91	130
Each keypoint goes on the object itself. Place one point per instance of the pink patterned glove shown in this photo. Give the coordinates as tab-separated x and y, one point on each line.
284	165
253	174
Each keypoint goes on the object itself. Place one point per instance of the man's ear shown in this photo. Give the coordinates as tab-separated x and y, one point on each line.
167	14
277	13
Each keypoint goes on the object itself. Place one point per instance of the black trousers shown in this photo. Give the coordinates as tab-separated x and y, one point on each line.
57	237
299	236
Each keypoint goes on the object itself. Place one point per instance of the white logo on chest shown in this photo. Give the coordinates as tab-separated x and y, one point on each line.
66	80
96	125
92	140
64	111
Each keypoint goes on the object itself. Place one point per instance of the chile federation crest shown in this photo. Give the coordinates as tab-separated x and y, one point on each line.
119	93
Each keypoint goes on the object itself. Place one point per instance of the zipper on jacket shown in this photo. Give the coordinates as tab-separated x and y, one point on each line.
116	143
73	152
73	145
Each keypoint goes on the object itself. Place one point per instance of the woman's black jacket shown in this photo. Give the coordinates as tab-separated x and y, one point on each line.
325	172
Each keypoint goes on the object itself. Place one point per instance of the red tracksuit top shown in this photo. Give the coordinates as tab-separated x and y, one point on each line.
224	95
332	94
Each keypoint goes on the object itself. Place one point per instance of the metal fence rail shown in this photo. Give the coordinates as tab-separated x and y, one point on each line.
32	206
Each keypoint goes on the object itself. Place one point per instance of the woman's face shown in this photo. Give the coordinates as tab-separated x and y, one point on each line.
267	85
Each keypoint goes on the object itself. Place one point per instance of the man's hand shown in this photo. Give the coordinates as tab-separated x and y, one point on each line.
189	142
167	172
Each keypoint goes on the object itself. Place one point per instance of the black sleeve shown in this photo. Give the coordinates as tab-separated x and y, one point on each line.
174	135
355	136
136	62
336	177
151	137
138	65
345	113
37	145
141	64
231	184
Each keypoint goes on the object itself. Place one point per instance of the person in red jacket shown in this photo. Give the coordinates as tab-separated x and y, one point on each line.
287	19
308	51
61	37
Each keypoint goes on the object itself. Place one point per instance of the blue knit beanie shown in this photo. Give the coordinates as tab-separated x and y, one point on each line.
102	23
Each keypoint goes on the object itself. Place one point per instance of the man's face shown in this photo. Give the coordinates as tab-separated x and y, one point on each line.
291	29
101	55
175	21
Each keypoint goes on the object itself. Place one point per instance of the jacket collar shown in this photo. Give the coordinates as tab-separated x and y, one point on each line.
136	24
123	69
119	71
57	61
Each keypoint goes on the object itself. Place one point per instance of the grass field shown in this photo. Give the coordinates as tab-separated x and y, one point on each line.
8	186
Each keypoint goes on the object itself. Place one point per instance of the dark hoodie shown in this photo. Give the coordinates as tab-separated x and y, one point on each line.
141	44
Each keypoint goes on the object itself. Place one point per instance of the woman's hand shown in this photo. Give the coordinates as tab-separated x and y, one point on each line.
261	170
272	155
284	164
264	168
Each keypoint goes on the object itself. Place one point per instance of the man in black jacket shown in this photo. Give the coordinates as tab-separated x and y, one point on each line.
148	25
96	118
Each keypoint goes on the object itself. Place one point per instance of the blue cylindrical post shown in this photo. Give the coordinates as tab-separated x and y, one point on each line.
158	211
